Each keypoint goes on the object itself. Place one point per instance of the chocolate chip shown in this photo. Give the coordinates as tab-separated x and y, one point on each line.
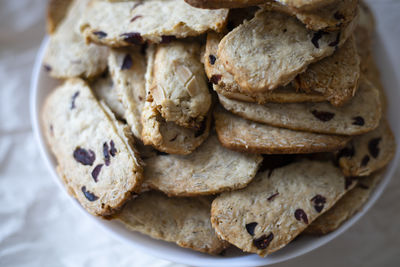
250	228
89	195
358	121
338	15
100	34
270	198
96	171
317	35
212	59
83	156
373	147
319	202
113	150
365	161
300	215
263	241
136	17
348	181
132	38
127	62
323	115
73	99
166	39
363	186
106	154
215	78
336	42
347	152
47	67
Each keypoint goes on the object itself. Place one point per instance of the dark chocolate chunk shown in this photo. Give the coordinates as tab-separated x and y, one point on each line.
358	121
132	38
166	39
83	156
136	17
96	171
263	241
365	161
106	154
317	35
373	147
323	115
215	78
212	59
113	150
47	67
127	62
89	195
300	215
73	99
319	202
270	198
250	228
100	34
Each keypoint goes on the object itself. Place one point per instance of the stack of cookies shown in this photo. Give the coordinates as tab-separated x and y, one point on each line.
215	123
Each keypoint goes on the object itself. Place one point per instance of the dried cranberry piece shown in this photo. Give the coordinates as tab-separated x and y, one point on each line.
132	38
127	62
96	172
113	150
106	154
323	115
47	67
373	147
74	96
319	202
263	241
89	195
212	59
166	39
365	161
358	121
136	17
300	215
83	156
215	78
100	34
250	228
270	198
317	35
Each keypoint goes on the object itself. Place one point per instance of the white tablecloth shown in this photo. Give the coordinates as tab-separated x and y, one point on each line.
38	226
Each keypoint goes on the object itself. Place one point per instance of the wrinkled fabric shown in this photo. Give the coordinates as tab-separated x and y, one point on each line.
38	225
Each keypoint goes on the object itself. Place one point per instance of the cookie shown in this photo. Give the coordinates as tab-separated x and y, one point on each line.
134	22
96	160
103	88
179	88
312	86
369	152
244	135
127	68
306	4
216	4
277	206
67	55
360	115
167	136
184	221
330	17
210	169
335	77
346	207
56	11
262	54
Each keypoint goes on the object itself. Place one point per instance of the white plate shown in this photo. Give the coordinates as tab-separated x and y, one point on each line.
41	85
